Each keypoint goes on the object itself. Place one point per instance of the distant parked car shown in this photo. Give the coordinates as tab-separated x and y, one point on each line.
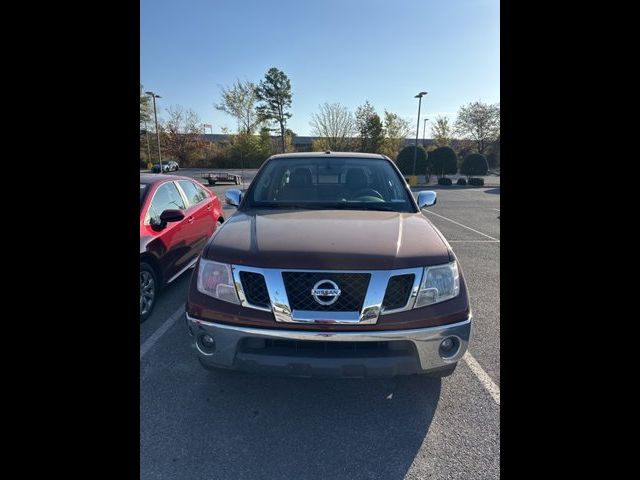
177	217
169	166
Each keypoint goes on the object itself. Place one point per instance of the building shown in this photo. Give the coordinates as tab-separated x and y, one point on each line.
301	143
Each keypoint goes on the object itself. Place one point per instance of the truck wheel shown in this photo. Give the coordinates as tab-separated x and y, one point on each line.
211	182
148	290
443	372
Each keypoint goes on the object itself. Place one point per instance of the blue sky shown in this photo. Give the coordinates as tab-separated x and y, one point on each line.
346	51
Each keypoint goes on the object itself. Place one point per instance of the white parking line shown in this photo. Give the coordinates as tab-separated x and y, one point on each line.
473	241
497	210
485	379
150	342
469	228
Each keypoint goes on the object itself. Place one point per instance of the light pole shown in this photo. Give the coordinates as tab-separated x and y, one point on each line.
146	132
415	152
423	129
155	115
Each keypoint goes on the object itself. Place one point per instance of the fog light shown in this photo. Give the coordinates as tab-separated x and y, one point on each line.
447	344
449	347
206	344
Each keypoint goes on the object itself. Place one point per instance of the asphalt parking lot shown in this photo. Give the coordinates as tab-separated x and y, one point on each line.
196	424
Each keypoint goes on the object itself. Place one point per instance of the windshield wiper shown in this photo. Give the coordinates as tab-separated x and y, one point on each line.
380	208
290	206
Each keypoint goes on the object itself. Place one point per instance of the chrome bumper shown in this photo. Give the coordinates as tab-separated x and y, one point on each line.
425	340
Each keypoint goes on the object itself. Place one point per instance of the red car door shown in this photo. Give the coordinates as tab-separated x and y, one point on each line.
201	211
173	244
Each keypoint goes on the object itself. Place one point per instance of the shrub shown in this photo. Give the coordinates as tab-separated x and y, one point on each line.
143	163
461	181
444	161
476	182
444	181
405	160
474	164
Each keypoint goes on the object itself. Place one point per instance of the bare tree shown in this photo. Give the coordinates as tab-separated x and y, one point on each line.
239	101
334	123
441	131
182	134
480	123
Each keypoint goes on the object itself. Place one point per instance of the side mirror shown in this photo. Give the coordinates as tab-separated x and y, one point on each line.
171	216
233	197
426	198
167	216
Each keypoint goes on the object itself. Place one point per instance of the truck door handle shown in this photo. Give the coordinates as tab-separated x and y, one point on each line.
209	208
190	219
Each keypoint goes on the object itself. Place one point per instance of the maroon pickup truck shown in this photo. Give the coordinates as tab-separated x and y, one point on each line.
329	268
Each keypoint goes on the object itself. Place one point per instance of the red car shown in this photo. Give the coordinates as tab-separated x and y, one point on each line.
177	217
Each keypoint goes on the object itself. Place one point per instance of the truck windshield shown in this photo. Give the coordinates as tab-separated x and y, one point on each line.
330	183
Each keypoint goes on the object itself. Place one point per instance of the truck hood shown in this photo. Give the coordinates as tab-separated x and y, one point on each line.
328	239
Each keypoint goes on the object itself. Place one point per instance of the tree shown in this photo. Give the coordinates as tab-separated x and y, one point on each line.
480	123
405	159
239	101
274	93
369	126
474	164
441	131
265	143
245	150
288	140
145	107
396	130
320	145
335	124
443	161
182	134
493	155
145	117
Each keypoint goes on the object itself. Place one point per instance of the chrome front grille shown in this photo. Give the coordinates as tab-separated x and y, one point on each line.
353	288
363	297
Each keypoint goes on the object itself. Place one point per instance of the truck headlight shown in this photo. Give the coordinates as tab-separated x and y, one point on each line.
439	283
216	280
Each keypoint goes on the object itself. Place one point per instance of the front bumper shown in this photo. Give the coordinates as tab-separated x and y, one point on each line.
405	351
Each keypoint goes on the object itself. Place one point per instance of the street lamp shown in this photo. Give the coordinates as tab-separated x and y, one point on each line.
146	132
423	129
155	115
415	152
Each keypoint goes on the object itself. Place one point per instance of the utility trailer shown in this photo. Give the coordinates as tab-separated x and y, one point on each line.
213	178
